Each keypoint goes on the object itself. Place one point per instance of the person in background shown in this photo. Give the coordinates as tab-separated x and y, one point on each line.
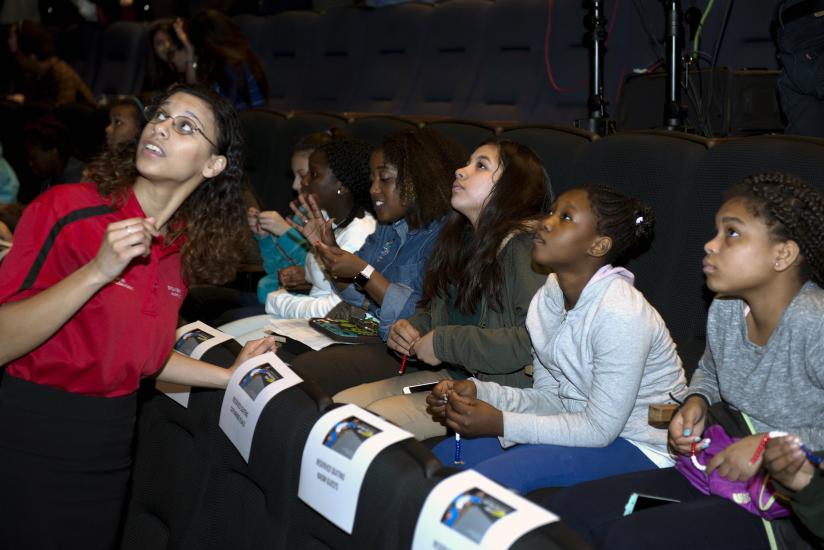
45	78
49	153
216	53
126	121
9	185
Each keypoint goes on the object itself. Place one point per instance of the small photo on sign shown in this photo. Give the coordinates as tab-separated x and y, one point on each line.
473	512
347	435
190	340
258	378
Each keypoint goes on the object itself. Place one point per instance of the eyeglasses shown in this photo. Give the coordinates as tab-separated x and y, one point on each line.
181	124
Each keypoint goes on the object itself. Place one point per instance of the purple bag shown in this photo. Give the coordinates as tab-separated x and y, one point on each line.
756	495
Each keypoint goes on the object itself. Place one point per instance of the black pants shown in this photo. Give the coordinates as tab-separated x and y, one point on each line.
65	462
595	510
343	366
801	86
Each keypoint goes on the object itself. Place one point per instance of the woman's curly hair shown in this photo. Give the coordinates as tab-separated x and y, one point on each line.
792	210
467	257
213	218
629	222
426	161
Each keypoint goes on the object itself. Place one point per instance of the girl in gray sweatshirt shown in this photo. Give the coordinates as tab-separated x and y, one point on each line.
601	355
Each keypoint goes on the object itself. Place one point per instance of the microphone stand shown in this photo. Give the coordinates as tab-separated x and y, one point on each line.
598	120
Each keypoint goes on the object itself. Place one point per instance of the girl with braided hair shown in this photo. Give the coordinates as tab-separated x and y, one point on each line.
763	367
601	355
338	182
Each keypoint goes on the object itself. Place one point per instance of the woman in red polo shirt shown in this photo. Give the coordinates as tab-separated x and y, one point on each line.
91	291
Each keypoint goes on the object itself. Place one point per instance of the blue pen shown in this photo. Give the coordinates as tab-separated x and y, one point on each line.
458	460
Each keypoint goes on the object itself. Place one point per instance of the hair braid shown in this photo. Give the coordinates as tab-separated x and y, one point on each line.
793	210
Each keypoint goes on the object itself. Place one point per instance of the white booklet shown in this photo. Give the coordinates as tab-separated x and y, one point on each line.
250	388
339	449
193	340
468	510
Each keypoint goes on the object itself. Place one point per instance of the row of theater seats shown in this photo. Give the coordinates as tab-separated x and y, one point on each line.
682	176
192	489
513	60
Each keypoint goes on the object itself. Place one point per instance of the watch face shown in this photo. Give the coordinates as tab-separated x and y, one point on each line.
361	280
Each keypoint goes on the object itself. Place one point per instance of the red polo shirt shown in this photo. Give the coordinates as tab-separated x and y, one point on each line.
126	330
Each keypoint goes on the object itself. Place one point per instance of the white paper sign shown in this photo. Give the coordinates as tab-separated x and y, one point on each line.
193	340
250	388
339	449
468	510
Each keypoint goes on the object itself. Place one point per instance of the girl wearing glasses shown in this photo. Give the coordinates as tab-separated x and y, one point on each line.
90	294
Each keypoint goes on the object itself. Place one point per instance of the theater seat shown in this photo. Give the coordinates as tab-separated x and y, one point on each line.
465	132
451	55
122	59
559	147
392	55
660	169
264	167
284	51
373	129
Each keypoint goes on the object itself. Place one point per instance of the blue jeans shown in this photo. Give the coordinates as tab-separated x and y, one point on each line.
525	468
801	85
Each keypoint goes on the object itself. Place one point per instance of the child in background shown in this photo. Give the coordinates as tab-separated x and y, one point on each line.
126	121
764	360
602	355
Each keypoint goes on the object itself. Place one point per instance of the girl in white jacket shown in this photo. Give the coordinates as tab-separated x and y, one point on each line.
602	354
338	180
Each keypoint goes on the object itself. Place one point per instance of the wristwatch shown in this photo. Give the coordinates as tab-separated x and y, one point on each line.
362	278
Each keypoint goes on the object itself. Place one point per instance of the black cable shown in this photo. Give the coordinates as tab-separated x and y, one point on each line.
715	53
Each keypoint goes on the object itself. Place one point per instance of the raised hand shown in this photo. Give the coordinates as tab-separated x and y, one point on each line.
312	225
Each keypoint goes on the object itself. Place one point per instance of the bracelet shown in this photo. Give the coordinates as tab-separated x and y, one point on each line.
760	449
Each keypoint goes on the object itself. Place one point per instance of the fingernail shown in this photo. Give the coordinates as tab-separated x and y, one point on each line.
687	432
696	439
706	443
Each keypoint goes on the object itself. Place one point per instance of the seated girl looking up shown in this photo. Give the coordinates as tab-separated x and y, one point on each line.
602	355
478	285
764	360
412	176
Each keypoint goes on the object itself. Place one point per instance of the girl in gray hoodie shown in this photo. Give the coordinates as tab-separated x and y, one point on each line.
601	354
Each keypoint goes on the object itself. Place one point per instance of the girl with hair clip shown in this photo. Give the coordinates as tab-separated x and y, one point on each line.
411	176
764	363
338	181
470	320
91	291
602	354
